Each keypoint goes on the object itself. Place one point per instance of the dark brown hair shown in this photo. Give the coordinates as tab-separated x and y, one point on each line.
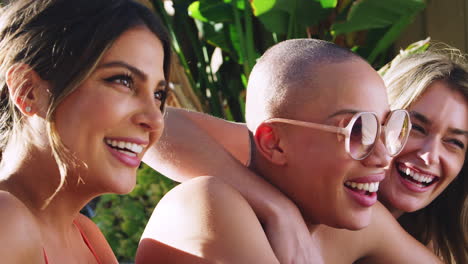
63	41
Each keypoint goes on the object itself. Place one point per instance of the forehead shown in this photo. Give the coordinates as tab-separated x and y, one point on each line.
140	48
443	105
352	84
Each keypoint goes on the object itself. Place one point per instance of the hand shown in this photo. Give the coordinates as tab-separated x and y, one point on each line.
290	238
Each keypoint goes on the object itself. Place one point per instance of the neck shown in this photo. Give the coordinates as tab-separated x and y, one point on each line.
394	211
33	177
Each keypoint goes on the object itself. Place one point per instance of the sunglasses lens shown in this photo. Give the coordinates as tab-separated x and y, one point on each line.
396	131
363	135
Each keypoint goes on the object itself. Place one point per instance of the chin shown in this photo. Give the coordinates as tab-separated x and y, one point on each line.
121	183
357	225
125	188
354	220
403	204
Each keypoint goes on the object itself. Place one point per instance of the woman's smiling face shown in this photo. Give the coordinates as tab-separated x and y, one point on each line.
434	154
112	118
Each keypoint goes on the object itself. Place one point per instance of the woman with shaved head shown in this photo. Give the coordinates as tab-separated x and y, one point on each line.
322	135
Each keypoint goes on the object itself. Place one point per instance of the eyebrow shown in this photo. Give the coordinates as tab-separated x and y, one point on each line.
163	83
129	67
423	119
343	112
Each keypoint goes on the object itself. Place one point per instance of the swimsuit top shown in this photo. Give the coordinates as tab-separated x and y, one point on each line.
84	239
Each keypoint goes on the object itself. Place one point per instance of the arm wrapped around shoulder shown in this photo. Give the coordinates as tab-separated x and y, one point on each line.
204	220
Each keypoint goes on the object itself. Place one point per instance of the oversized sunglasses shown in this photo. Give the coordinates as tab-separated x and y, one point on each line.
363	131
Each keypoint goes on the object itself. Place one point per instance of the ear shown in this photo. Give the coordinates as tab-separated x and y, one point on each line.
27	89
268	144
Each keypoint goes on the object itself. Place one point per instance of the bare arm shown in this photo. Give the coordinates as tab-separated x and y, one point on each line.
209	220
195	144
189	148
20	240
186	150
189	133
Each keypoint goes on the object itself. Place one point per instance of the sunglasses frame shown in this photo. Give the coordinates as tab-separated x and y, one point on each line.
346	131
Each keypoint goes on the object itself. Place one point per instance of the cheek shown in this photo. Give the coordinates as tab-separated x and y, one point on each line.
413	144
453	169
83	114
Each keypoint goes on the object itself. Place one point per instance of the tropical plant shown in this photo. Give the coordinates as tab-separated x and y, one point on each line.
218	41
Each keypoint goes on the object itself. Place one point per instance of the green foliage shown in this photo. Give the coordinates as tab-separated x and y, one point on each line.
244	29
122	218
416	47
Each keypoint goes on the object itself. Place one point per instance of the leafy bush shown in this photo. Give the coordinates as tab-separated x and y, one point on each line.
218	41
122	218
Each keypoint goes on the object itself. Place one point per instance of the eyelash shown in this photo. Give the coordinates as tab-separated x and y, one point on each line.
418	128
456	142
160	95
119	79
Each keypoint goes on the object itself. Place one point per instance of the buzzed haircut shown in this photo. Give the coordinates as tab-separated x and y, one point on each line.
284	73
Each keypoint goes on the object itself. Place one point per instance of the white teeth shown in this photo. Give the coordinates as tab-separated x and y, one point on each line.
370	187
136	148
416	176
127	152
126	147
121	144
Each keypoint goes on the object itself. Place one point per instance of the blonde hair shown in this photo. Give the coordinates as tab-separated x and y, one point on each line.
444	222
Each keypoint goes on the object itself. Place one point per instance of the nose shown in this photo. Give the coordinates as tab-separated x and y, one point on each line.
429	151
379	156
149	116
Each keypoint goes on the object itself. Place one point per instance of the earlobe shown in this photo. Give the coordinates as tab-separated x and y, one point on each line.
268	144
24	85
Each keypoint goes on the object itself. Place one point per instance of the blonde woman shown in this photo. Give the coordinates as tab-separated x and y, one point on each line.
426	186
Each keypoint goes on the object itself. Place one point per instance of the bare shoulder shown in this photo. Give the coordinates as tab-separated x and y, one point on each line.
20	241
388	242
209	219
383	241
96	239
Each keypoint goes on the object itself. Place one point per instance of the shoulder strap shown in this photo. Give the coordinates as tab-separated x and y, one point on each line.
87	241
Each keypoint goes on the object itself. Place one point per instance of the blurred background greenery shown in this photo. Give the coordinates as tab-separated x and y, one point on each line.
216	43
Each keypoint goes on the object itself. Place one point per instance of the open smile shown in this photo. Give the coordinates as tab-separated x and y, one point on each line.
125	151
416	177
128	148
364	190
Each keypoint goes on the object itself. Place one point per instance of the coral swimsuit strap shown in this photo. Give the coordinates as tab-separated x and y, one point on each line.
86	242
